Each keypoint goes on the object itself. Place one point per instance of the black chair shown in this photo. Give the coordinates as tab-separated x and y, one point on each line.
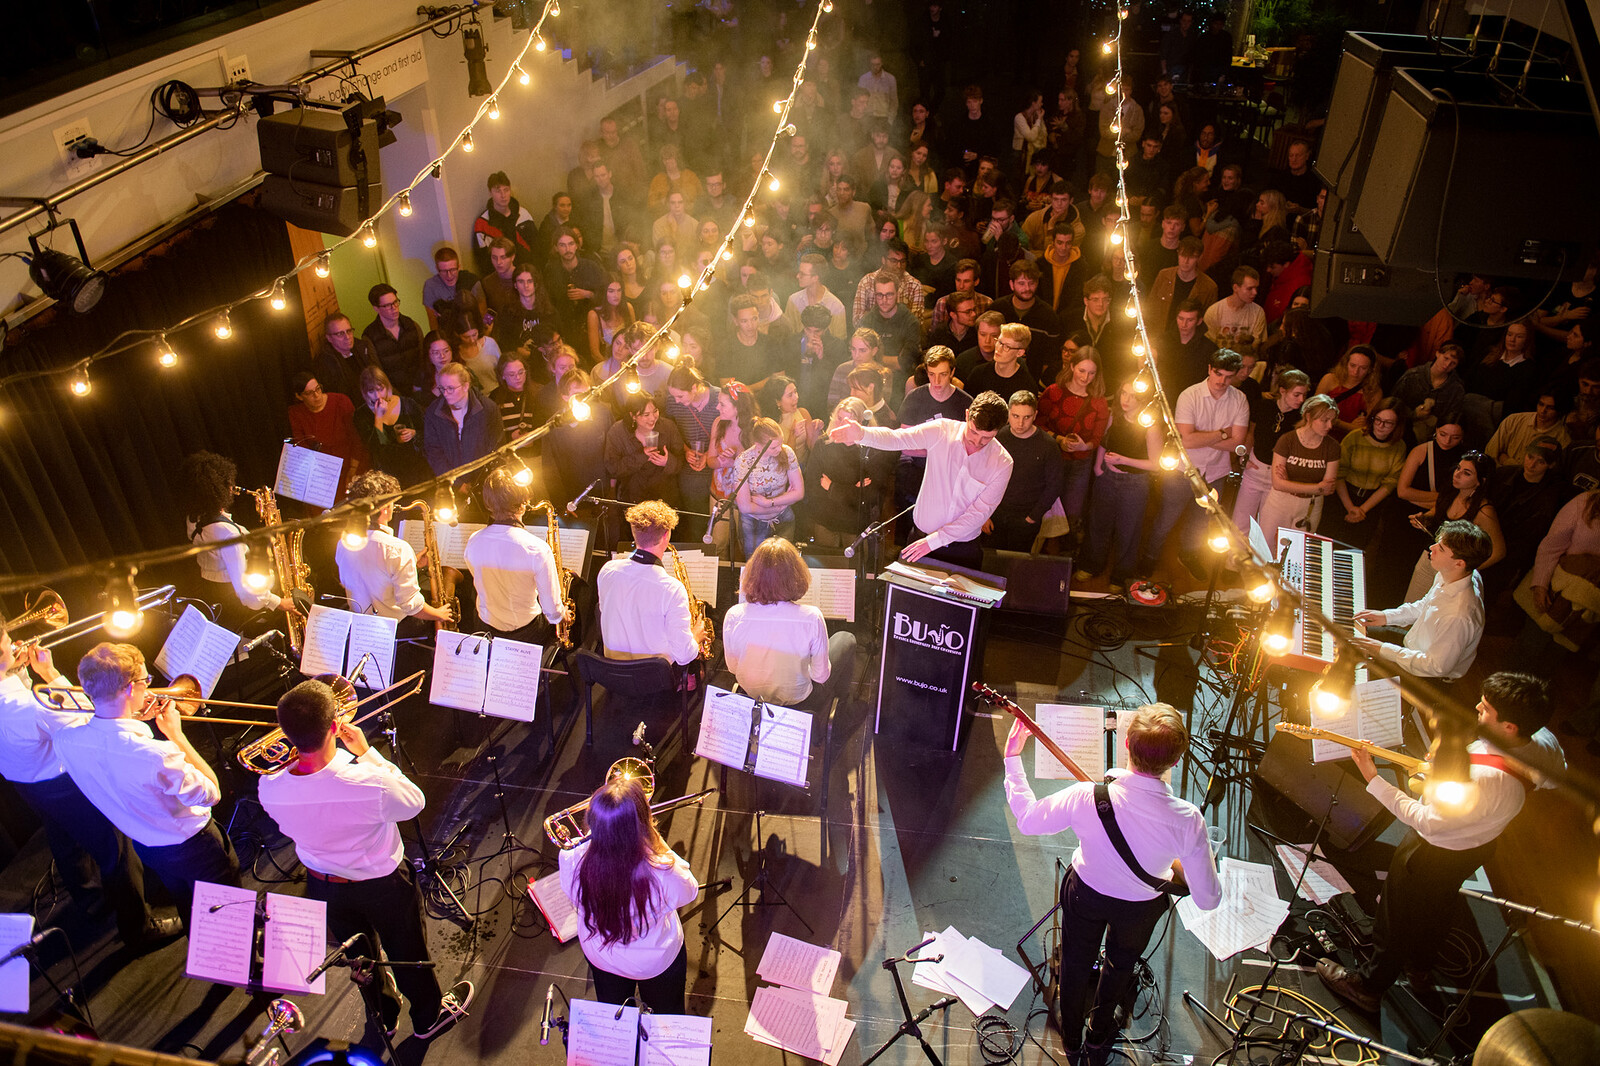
647	678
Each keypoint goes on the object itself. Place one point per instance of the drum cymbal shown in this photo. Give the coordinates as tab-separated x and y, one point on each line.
1539	1037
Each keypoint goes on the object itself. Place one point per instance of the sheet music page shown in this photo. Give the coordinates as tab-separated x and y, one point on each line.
308	476
574	541
295	944
796	1021
512	687
596	1037
1373	714
410	531
702	569
797	964
374	634
675	1040
783	747
1080	731
841	1040
725	727
960	586
197	646
833	592
453	541
16	930
322	650
1120	754
1322	882
460	671
1248	916
220	941
985	970
555	905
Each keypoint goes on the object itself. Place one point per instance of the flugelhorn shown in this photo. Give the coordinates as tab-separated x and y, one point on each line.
283	1019
569	827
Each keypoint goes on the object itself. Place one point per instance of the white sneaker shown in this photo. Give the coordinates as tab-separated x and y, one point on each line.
452	1005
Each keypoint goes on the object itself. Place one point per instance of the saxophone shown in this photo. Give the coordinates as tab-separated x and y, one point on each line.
443	594
697	611
569	612
288	564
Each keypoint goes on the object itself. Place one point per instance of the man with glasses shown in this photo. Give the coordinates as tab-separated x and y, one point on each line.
325	422
448	289
908	289
813	291
158	793
397	342
960	330
966	281
896	327
1007	373
342	356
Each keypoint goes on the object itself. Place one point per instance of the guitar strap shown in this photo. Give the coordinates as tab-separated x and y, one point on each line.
1108	818
1498	762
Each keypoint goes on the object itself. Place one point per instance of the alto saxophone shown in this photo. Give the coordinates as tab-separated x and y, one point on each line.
288	564
443	594
697	611
569	612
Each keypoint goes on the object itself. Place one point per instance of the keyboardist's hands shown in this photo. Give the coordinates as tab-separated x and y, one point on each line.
1369	618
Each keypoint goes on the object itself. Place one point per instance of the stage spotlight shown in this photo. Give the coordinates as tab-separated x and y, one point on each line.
477	54
65	279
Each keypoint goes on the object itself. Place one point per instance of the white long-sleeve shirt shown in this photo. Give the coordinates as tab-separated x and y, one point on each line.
514	572
380	577
344	818
776	650
654	946
1446	625
144	786
644	611
1159	827
959	491
226	566
26	752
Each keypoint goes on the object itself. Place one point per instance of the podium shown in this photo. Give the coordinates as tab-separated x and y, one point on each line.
932	636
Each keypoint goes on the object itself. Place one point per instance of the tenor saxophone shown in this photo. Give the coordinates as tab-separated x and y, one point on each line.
569	612
697	611
443	593
288	564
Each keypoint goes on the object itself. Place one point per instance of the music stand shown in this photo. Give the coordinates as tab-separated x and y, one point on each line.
912	1026
761	883
429	866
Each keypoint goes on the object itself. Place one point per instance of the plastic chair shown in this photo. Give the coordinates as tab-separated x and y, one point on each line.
645	678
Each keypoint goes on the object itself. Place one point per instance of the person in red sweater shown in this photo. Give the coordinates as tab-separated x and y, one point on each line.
325	421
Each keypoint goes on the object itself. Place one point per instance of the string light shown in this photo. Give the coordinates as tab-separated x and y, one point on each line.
749	221
1219	541
369	236
356	531
672	353
1169	457
123	617
555	11
494	108
1261	588
223	326
1107	48
1141	383
523	77
1148	415
80	381
524	474
277	299
1330	696
774	185
165	356
684	280
1278	637
324	265
257	567
466	141
1116	234
580	407
538	42
630	382
1132	310
444	506
405	204
438	171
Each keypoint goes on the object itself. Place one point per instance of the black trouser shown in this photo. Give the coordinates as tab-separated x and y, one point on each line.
1013	532
538	631
1088	918
1416	906
388	910
967	553
663	993
206	856
78	833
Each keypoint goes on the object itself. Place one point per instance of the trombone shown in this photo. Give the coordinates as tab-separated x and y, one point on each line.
569	827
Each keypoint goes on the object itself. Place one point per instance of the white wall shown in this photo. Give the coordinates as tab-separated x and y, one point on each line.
535	140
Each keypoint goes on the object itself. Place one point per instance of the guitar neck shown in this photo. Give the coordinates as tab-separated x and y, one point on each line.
1044	738
1408	763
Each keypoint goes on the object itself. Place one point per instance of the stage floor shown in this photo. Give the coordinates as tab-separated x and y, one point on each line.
916	839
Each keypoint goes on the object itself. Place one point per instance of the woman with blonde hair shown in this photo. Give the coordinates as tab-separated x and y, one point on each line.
777	647
769	483
1074	408
916	210
1305	470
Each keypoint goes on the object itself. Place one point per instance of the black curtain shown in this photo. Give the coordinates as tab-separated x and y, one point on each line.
87	478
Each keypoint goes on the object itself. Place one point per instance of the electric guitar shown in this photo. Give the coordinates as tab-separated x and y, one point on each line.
1416	769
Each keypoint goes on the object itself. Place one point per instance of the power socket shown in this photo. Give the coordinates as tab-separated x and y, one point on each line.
236	69
67	138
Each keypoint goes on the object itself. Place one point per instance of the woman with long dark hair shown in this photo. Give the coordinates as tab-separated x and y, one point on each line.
627	886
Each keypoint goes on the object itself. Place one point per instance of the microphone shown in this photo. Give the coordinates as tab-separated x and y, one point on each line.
27	945
544	1023
333	956
360	672
1241	451
850	552
717	510
572	508
256	642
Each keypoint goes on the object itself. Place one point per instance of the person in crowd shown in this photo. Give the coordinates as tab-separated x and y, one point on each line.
800	431
342	809
1006	372
1270	418
496	293
1505	379
503	218
1521	428
1354	386
1211	418
1024	306
575	283
325	422
845	483
866	349
770	484
630	270
984	345
1444	844
1370	463
513	569
692	404
1467	499
1182	354
1432	392
966	282
870	385
812	292
380	576
1109	893
644	609
779	649
448	289
1035	483
1075	411
1237	314
207	484
396	341
644	452
1125	464
1529	494
461	425
1171	286
476	352
158	793
1305	470
557	359
342	356
1446	622
514	395
521	318
672	178
908	290
574	454
899	332
441	352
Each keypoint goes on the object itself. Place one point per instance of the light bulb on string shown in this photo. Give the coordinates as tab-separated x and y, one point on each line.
1132	310
523	77
538	42
684	280
277	299
494	108
1116	235
1139	353
356	529
438	169
777	107
727	254
223	326
1141	384
1107	47
324	266
580	408
1260	587
1111	87
749	221
672	352
1278	637
80	382
1122	13
1219	541
811	41
123	616
774	185
444	506
466	141
827	7
1148	415
1122	161
165	356
1330	696
369	236
555	11
257	567
405	205
630	382
1169	457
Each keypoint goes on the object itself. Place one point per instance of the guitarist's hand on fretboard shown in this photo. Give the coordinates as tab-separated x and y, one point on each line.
1364	763
1017	739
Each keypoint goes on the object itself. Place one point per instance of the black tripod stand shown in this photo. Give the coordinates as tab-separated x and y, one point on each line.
761	884
428	865
912	1026
29	949
363	971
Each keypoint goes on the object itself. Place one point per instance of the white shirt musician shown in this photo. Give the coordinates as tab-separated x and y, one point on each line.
1447	623
380	577
513	570
207	481
644	610
1162	832
964	482
342	809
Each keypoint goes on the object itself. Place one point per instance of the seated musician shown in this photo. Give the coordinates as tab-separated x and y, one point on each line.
627	886
1447	622
1102	890
776	646
644	608
159	793
380	577
513	570
208	484
1444	845
342	809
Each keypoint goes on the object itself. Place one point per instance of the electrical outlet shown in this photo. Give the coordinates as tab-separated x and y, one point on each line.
238	69
67	137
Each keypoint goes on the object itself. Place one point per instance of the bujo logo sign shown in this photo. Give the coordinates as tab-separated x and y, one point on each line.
940	638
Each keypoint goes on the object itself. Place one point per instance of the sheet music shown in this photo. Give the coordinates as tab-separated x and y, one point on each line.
197	646
959	586
308	476
1322	881
322	649
296	942
221	941
1079	731
1374	714
725	727
675	1040
833	592
1120	760
555	905
15	930
1248	916
452	539
784	745
460	671
802	1022
372	634
596	1037
936	976
512	687
841	1040
797	964
985	970
574	541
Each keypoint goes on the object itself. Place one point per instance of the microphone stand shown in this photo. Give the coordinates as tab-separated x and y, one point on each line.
29	950
429	863
363	971
912	1026
874	531
727	502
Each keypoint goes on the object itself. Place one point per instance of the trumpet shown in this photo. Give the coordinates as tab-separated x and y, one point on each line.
569	827
46	609
283	1019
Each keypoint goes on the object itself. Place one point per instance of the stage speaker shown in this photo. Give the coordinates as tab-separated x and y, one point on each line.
1035	584
310	145
1288	770
326	208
